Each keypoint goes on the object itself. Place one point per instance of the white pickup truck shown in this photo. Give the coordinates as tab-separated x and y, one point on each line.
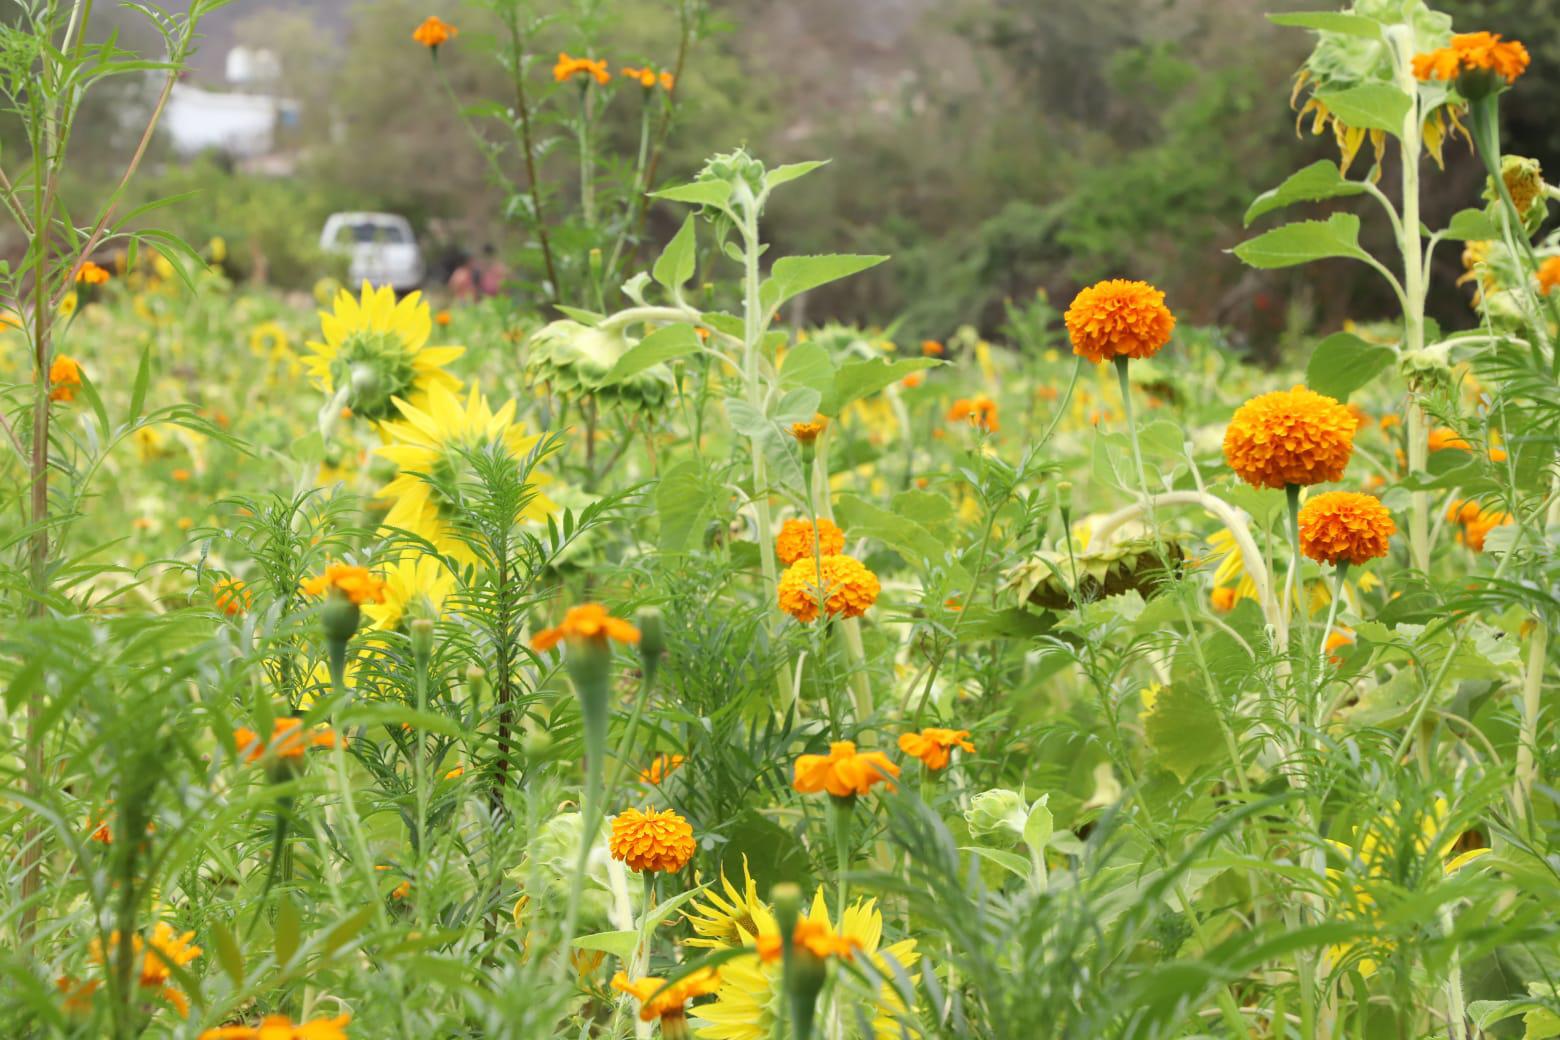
380	248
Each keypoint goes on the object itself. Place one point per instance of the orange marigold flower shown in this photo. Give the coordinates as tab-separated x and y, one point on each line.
1289	437
433	31
288	740
1345	525
1473	52
568	68
280	1027
76	994
232	596
164	948
1443	437
64	377
90	273
844	771
913	380
934	745
797	539
661	767
932	348
816	937
357	584
848	588
667	81
586	621
1223	598
1337	639
645	77
441	317
651	840
979	410
657	1000
1549	275
807	432
1119	318
1475	522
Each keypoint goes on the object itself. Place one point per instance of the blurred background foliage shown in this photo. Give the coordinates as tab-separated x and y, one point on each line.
993	147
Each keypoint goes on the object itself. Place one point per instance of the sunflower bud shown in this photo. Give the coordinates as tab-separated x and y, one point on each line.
998	812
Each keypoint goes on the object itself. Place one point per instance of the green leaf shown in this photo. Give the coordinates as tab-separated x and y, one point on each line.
1302	242
861	518
287	929
229	954
1370	106
1470	225
793	275
143	375
864	378
682	503
809	365
674	266
1009	860
1342	363
1040	824
790	172
1330	21
1320	180
584	317
664	344
620	944
1183	730
698	193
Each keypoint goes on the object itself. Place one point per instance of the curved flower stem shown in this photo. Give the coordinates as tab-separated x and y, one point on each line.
1332	616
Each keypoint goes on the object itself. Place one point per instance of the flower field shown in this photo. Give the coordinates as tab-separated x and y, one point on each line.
635	657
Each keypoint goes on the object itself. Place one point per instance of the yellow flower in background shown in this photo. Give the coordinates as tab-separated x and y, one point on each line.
718	921
745	1006
429	444
1230	572
1373	861
68	304
412	584
375	350
268	340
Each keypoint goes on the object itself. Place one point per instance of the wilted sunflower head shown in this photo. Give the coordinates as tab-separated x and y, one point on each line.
1126	564
375	350
1343	61
573	360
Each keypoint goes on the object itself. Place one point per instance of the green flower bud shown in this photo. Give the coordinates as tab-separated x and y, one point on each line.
998	813
652	639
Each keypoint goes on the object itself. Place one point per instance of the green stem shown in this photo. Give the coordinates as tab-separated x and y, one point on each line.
842	809
1137	448
1332	616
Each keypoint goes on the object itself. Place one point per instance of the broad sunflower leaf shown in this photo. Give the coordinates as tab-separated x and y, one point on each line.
864	378
863	519
1183	730
809	365
698	193
1370	106
1008	860
1336	237
1342	363
1321	180
682	502
793	275
674	266
1330	21
791	171
1470	225
664	344
619	944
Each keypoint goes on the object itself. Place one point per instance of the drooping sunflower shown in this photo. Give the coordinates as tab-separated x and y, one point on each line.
749	999
430	444
375	351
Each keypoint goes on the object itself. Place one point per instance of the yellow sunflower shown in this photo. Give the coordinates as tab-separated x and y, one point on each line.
376	350
718	922
416	585
748	1001
430	444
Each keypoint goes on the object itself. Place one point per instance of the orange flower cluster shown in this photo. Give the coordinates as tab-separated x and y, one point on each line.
848	588
64	377
1549	275
932	348
844	771
807	432
661	767
1119	318
90	273
586	621
979	410
280	1027
568	68
1473	52
651	840
648	77
288	740
357	584
1475	522
1289	437
165	947
934	745
815	937
434	31
797	539
1345	525
657	1000
232	596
